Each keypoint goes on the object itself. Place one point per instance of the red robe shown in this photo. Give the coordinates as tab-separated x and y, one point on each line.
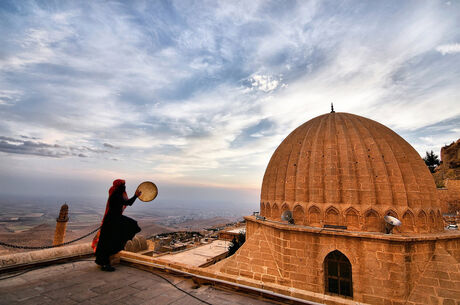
116	229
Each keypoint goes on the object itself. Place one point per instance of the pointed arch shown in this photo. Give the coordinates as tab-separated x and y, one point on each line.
275	212
299	215
284	207
268	213
372	221
432	221
352	219
314	216
393	213
332	216
408	222
338	274
422	222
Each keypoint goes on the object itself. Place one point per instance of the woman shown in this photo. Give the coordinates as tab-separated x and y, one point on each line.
116	229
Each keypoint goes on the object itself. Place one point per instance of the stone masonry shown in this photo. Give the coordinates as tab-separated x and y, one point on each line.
387	269
340	174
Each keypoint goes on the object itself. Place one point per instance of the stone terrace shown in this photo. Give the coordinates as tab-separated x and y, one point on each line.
81	282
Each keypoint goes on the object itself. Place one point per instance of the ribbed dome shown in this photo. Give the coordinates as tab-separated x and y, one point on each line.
339	164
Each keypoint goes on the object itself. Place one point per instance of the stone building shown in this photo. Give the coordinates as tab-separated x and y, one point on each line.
447	175
339	174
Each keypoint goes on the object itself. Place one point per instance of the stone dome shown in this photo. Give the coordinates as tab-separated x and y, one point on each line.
342	169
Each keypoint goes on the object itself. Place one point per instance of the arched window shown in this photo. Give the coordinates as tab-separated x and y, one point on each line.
407	222
392	213
275	212
284	208
332	216
299	215
313	216
432	221
352	219
395	215
337	271
421	222
268	213
373	222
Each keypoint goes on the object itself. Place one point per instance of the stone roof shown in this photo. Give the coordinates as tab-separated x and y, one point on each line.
81	282
198	256
340	161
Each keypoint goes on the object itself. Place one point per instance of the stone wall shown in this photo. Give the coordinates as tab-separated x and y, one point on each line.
450	196
225	235
450	164
450	155
385	269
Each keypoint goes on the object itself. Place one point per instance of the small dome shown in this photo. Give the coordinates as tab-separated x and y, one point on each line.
344	169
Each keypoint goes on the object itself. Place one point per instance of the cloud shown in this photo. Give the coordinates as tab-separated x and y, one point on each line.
9	97
110	146
37	148
15	146
265	83
448	48
31	138
202	93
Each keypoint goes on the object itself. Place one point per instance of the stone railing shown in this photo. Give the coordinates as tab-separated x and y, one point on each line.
19	260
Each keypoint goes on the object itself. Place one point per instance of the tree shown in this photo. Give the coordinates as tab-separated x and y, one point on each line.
431	160
237	242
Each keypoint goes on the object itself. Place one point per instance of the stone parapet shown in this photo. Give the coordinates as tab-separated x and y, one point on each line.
18	260
447	234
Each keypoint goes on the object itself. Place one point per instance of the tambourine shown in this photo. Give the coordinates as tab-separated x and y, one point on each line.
149	191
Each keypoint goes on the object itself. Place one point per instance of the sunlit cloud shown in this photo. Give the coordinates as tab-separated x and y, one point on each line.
448	48
265	83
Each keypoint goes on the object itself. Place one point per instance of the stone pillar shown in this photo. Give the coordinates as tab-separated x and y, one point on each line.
61	224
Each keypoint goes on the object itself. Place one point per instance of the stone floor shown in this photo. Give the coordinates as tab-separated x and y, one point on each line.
81	282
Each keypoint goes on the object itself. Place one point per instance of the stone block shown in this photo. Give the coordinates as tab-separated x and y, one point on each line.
268	278
273	272
449	302
454	276
429	281
232	271
299	277
371	299
419	298
246	273
448	293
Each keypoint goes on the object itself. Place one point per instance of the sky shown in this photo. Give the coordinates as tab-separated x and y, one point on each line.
196	95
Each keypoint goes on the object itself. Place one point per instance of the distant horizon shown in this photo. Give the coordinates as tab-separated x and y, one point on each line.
196	97
169	202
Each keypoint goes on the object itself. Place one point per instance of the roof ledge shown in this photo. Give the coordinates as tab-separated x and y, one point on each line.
45	256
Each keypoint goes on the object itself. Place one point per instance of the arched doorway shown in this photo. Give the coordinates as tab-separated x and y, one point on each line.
337	271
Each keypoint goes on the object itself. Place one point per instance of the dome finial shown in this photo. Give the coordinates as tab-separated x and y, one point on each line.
332	108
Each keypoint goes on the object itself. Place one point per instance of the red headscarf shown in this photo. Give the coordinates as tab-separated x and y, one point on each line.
116	183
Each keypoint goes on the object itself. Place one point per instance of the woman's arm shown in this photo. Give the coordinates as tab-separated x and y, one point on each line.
131	200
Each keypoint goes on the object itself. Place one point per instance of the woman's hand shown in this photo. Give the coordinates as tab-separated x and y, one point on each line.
138	193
